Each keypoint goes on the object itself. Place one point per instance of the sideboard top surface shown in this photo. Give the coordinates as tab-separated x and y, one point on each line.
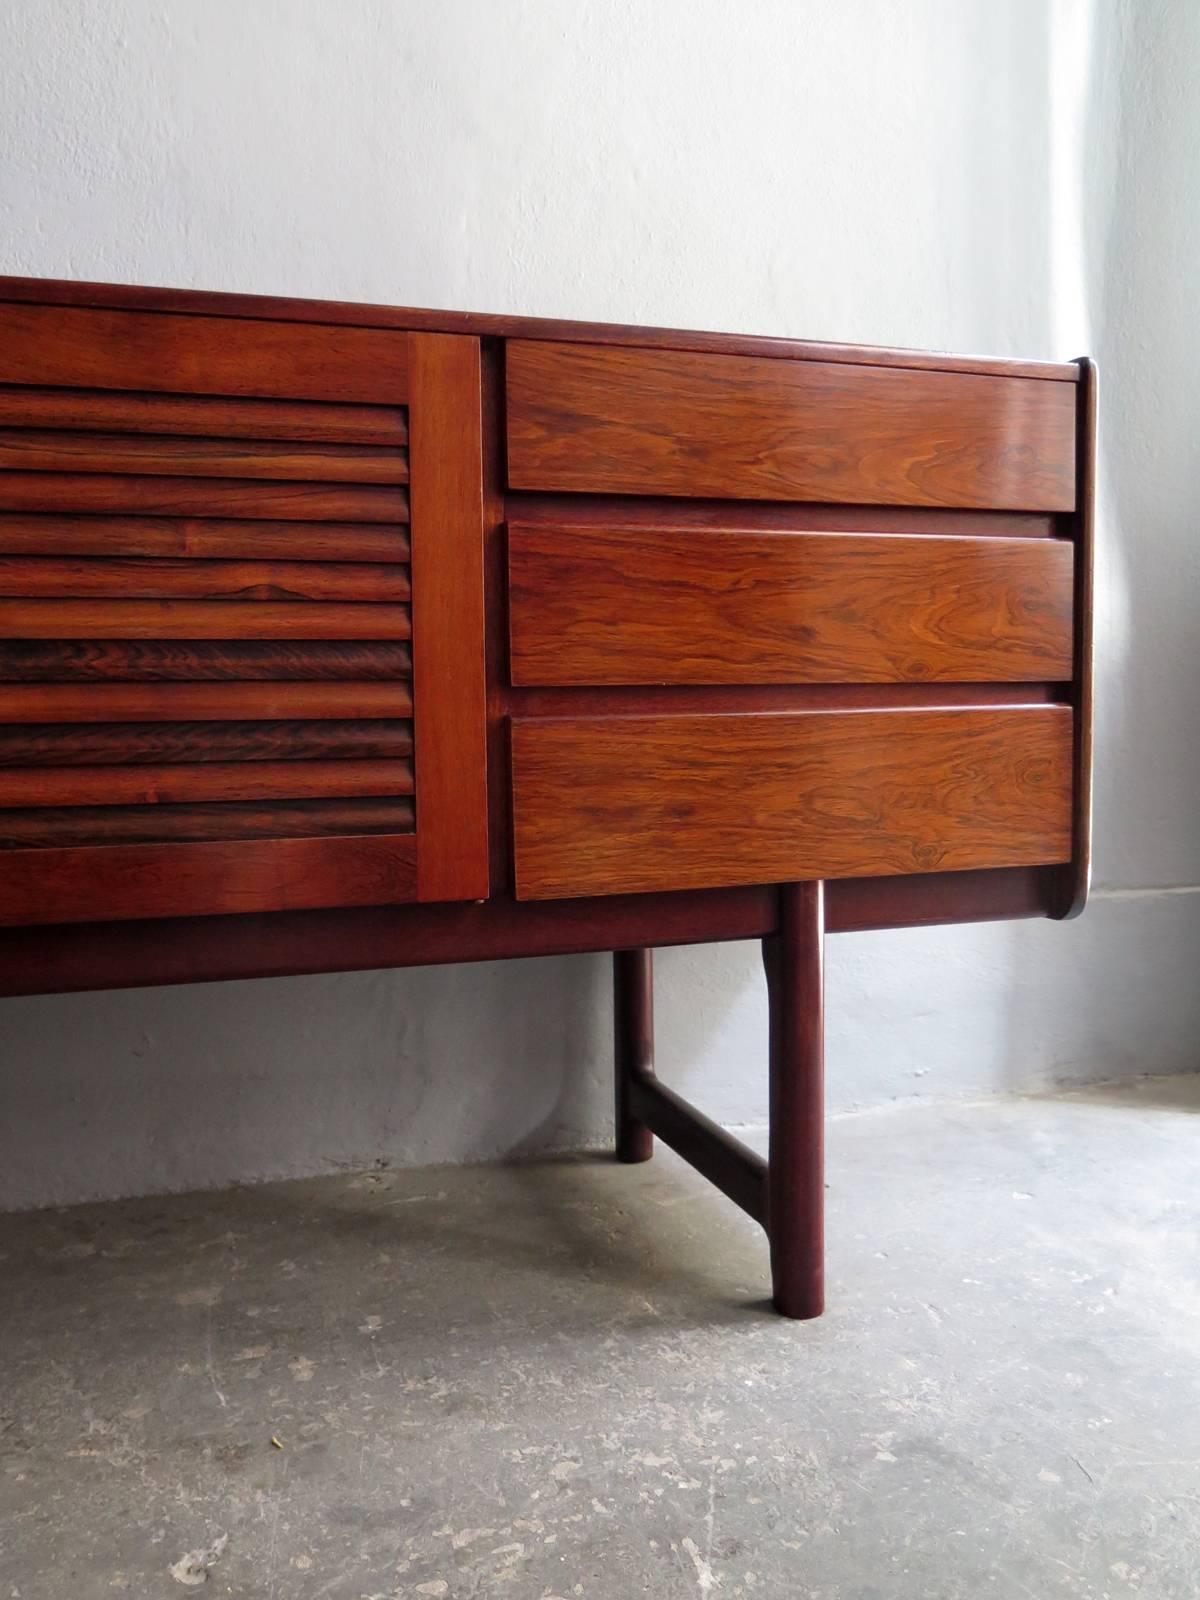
194	302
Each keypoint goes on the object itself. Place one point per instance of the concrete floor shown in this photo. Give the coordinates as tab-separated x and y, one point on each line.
561	1379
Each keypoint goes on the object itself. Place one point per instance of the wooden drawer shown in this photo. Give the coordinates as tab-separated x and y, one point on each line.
628	804
613	420
604	605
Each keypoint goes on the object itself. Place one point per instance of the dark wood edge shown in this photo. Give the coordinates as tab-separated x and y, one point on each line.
496	614
794	962
571	701
205	303
715	1153
578	513
125	955
1075	880
633	1048
120	955
938	899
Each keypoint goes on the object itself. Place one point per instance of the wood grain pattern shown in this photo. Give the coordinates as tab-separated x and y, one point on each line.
202	538
215	780
161	536
202	497
583	418
51	827
152	578
51	345
200	702
66	744
235	519
626	606
202	660
117	412
633	804
199	619
206	303
449	681
176	879
171	455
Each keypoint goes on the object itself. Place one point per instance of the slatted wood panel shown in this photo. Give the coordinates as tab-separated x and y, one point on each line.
50	826
671	606
202	538
205	497
59	744
156	783
148	578
198	702
612	805
177	660
204	629
196	619
26	407
161	455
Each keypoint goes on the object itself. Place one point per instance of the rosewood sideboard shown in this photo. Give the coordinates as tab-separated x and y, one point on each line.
339	636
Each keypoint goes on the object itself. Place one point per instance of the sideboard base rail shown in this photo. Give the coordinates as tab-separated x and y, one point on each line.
129	955
786	1192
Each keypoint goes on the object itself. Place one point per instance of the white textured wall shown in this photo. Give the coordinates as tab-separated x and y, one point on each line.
1017	178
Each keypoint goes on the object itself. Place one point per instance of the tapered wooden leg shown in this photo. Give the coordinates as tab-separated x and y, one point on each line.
794	959
633	1015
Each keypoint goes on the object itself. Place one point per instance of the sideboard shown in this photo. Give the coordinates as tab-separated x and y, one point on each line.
338	636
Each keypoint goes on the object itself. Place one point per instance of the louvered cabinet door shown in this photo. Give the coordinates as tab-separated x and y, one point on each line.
238	563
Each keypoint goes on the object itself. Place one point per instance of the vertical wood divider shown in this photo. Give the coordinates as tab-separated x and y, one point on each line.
449	681
1075	880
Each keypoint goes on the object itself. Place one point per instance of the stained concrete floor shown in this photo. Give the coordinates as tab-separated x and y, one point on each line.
562	1380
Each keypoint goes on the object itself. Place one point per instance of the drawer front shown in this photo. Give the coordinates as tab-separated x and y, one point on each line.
611	805
659	606
607	420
